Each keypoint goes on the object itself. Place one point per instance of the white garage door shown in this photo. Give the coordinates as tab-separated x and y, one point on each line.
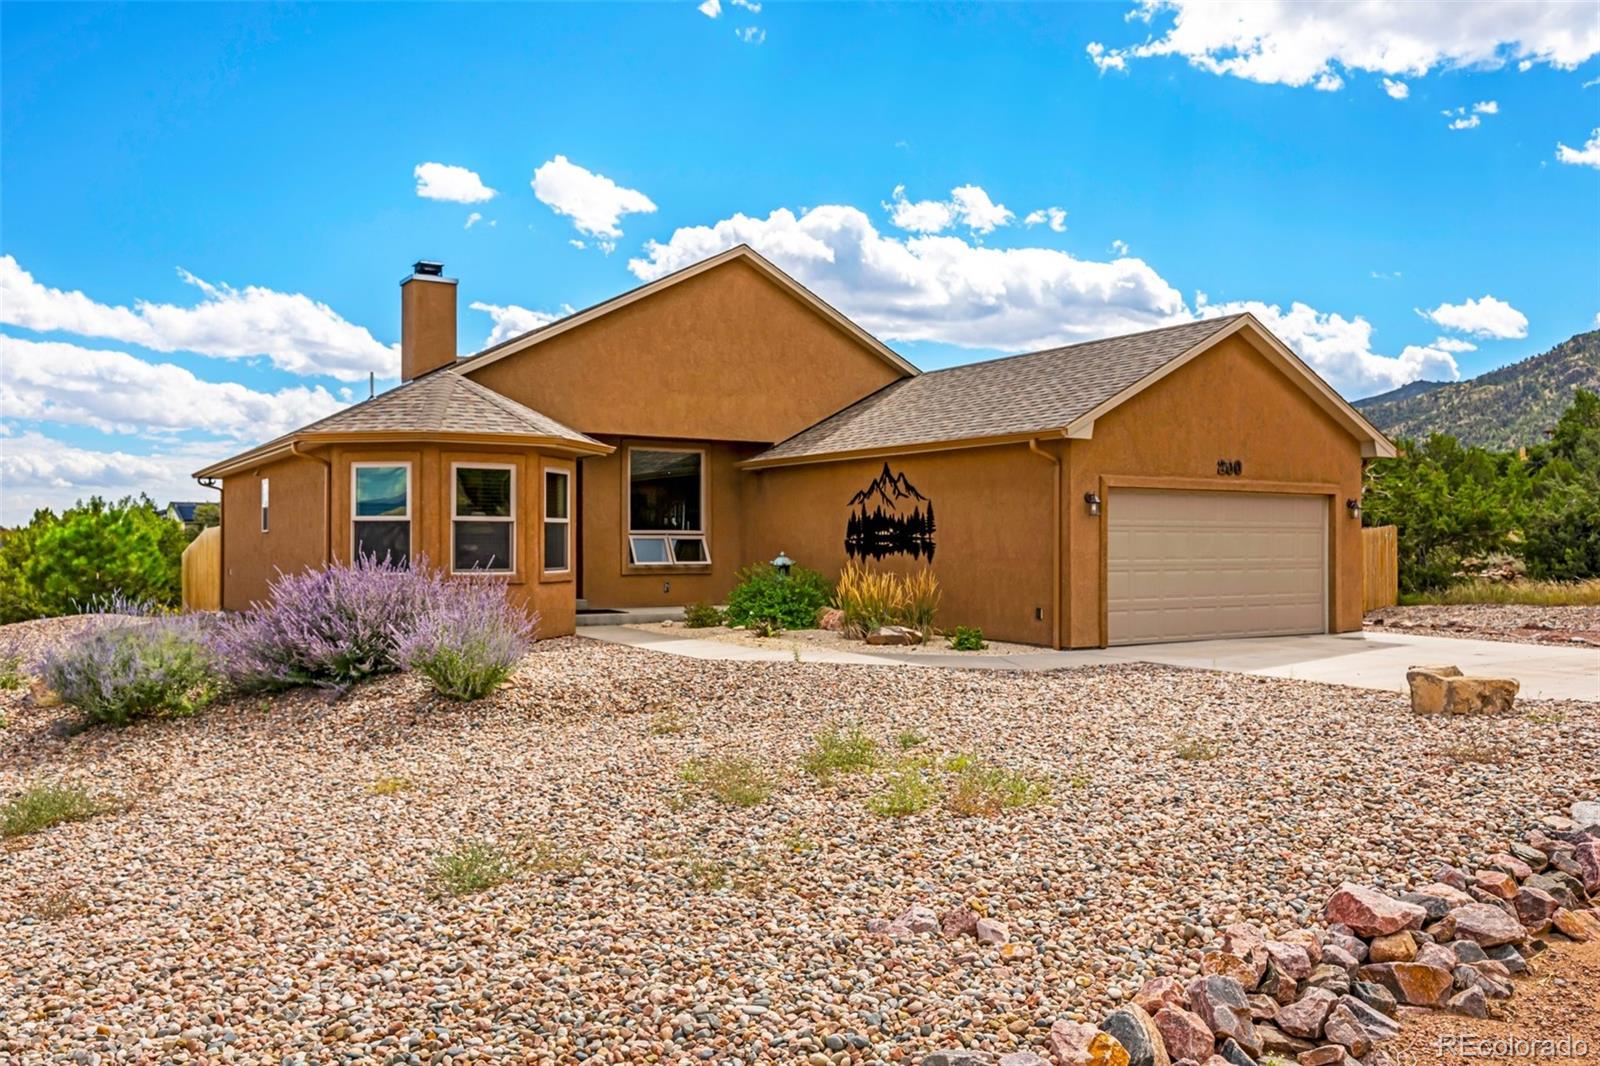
1203	565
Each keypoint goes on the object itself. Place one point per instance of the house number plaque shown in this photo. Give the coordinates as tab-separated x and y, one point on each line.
1230	467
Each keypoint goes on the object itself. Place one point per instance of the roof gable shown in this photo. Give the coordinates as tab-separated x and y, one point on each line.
1059	391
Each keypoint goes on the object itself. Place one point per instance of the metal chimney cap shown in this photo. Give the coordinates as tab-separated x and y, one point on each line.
428	268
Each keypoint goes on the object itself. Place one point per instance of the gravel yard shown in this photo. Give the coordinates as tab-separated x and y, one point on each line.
1492	621
261	894
830	640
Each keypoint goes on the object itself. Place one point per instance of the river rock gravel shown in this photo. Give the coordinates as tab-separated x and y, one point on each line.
252	897
1519	624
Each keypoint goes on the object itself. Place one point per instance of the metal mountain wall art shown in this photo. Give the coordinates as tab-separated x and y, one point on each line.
890	517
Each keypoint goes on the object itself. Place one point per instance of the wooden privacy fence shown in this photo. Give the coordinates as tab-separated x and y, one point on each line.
202	571
1380	567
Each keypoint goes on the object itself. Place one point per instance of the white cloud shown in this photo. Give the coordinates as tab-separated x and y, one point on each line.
751	34
472	219
920	216
749	5
1462	119
1054	217
969	205
1340	349
513	321
295	332
1486	107
1397	90
1483	317
1470	122
593	201
1309	42
1587	156
114	392
1453	344
38	471
1120	248
440	181
936	288
710	9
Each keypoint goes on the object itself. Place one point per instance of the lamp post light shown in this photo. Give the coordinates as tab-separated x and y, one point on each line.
782	564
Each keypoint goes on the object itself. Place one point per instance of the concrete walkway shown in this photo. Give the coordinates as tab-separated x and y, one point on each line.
1362	660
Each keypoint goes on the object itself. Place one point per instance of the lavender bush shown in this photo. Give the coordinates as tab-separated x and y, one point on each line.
331	627
160	668
469	640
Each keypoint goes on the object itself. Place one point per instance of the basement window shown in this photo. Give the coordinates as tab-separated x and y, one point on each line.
483	519
666	507
380	512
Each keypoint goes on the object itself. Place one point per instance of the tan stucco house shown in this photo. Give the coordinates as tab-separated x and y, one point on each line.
1189	482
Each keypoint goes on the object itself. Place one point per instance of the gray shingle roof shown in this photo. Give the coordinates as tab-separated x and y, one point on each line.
443	402
1037	392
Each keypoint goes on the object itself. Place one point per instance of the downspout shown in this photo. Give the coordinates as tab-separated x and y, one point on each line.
327	499
1055	545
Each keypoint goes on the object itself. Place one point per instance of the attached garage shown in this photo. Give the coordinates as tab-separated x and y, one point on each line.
1214	564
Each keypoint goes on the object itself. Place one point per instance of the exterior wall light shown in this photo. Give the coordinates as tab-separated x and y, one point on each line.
1354	507
782	564
1094	504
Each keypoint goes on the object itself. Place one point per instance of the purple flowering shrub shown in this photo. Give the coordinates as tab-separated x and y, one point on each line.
331	627
116	675
469	640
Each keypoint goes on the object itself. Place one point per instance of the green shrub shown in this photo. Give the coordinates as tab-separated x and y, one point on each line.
11	676
835	752
967	638
760	592
117	675
473	867
909	791
734	780
702	616
43	806
910	739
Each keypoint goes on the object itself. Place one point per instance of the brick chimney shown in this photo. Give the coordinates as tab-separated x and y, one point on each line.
427	320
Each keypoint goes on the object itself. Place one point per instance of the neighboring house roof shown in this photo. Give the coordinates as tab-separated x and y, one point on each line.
435	406
1059	392
739	251
183	510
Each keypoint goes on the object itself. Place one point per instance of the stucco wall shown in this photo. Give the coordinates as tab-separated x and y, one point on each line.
993	509
726	355
1229	403
250	558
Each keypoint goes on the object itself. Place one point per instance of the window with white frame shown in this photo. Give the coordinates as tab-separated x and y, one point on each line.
380	511
483	518
557	521
666	507
266	485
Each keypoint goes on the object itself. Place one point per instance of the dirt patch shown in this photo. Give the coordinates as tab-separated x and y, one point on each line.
1568	626
828	639
1559	1004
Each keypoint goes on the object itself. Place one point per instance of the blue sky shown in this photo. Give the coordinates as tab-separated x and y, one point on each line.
205	209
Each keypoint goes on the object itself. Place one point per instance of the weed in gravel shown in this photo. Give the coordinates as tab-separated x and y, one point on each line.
542	856
667	723
981	790
908	791
734	780
11	676
61	903
42	806
835	752
473	867
389	786
705	875
1196	749
800	843
1489	754
910	739
1546	717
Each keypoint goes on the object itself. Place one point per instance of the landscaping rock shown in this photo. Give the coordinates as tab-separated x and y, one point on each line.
960	1057
1333	955
1184	1034
1375	996
1509	957
1159	992
894	635
991	931
1535	908
1395	947
1490	985
1496	882
1413	983
1327	1055
1488	926
1427	687
1470	1003
1232	1054
958	922
1330	978
1588	859
1586	812
1275	1041
1292	960
1479	695
1343	1028
1220	1003
1576	925
1537	860
1379	1025
1306	1017
1562	886
1511	865
1369	912
1078	1044
1227	964
1136	1031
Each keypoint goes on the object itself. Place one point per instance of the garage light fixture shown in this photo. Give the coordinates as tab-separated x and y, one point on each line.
1094	504
1354	507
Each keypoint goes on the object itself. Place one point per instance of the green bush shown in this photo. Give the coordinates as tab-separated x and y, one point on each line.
147	669
792	601
94	552
702	616
473	867
967	638
835	752
43	806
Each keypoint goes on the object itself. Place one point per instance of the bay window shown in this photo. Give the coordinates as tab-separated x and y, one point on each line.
557	521
380	511
483	522
666	507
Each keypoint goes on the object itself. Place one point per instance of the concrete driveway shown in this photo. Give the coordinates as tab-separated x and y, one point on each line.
1362	660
